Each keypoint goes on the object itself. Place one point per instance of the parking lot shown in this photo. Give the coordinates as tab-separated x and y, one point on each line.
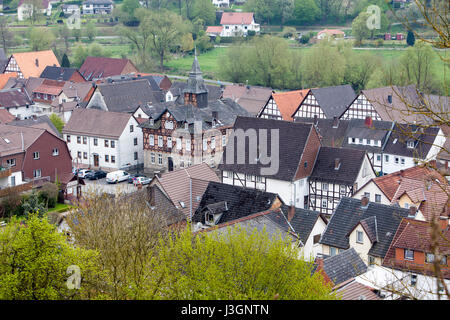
101	186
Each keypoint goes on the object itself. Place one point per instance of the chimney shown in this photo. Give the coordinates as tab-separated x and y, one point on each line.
390	98
214	114
443	222
364	202
315	119
337	163
368	122
412	212
335	122
402	172
37	62
291	212
151	195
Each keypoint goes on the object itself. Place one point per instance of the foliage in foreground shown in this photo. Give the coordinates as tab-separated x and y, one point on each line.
233	265
34	259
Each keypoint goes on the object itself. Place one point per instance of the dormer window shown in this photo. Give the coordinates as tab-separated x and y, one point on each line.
409	254
152	121
410	144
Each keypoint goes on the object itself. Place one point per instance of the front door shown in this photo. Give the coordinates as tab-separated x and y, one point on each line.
95	160
170	162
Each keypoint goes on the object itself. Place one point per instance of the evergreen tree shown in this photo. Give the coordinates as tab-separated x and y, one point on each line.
410	38
65	61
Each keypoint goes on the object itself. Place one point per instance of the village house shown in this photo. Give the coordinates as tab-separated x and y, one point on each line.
95	68
251	98
337	173
330	34
62	74
4	78
25	8
31	154
95	143
420	189
17	103
222	203
179	192
393	103
341	267
31	64
98	6
353	290
42	122
178	134
238	24
367	227
389	145
282	105
221	3
407	271
69	9
124	96
294	148
325	103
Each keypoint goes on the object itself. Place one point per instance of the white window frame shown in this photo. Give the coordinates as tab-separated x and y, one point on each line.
36	154
359	237
151	139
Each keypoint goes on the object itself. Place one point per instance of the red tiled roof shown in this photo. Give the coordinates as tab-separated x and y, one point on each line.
5	116
288	102
101	67
416	235
214	29
53	87
32	64
236	18
4	77
331	31
389	183
353	290
176	185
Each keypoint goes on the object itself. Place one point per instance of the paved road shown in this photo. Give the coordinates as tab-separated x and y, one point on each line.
101	186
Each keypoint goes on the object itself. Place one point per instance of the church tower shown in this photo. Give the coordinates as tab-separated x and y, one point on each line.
196	92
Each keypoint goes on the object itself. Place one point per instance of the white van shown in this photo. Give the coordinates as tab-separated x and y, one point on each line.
117	176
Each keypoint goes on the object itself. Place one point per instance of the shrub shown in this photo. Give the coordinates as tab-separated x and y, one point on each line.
49	194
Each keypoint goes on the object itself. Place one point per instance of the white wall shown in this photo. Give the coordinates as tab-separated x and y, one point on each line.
311	250
373	189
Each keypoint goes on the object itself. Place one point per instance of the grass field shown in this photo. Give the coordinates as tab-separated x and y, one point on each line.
210	61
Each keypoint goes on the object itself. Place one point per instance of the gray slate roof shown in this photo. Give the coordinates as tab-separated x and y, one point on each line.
128	95
177	88
344	266
301	223
349	213
334	100
350	160
240	201
293	135
58	73
36	122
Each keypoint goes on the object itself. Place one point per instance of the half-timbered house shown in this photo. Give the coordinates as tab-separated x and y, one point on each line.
338	172
361	108
293	151
325	103
178	133
282	105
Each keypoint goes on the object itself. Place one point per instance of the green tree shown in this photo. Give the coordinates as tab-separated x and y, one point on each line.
65	61
165	29
235	66
34	262
57	122
64	34
305	12
79	56
323	65
90	31
417	65
40	40
410	38
6	36
48	194
76	33
34	205
359	27
359	68
187	42
205	10
235	264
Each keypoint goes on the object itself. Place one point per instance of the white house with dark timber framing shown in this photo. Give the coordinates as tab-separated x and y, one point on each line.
282	105
325	103
338	172
288	168
361	108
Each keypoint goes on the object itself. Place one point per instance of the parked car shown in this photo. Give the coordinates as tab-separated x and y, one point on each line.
83	172
142	180
117	176
95	175
132	177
